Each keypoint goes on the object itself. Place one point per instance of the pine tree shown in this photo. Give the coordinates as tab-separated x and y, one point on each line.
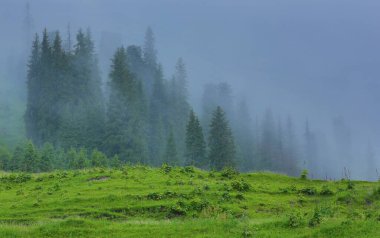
33	101
158	119
47	157
178	106
125	134
30	158
221	142
195	150
82	100
98	159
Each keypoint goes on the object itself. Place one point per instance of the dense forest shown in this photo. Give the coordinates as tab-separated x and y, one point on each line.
74	121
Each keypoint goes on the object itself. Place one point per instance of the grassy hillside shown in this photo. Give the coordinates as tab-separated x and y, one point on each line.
184	202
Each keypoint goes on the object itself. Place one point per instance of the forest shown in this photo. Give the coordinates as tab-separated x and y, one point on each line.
139	118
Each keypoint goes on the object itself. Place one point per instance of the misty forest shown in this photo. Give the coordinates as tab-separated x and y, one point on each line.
263	123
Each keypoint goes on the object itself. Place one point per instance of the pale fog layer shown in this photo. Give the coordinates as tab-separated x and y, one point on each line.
316	60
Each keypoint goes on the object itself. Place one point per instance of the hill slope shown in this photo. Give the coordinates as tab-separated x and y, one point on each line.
138	201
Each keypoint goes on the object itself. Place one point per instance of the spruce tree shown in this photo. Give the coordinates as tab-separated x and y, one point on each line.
126	129
221	142
30	159
195	150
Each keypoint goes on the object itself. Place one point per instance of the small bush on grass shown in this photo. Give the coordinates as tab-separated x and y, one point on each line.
326	191
240	186
229	173
310	191
316	219
295	220
304	174
154	196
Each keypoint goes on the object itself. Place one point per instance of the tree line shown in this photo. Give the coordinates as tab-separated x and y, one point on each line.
141	117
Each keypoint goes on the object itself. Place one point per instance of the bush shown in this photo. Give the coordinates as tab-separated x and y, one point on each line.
198	205
295	220
166	168
176	211
316	219
226	196
154	196
308	191
16	178
229	173
240	196
350	185
304	174
189	169
326	191
240	186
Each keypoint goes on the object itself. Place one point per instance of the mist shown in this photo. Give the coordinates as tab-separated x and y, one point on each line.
314	61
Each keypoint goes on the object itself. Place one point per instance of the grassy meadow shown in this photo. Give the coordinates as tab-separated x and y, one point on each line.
139	201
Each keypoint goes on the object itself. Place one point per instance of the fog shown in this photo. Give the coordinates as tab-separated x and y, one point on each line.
316	61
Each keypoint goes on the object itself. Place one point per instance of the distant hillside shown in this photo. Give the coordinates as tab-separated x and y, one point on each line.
142	201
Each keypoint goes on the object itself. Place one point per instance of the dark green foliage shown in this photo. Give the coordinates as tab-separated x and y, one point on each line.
221	142
240	186
316	218
125	134
326	191
308	191
65	104
98	159
304	174
195	151
16	178
295	220
229	173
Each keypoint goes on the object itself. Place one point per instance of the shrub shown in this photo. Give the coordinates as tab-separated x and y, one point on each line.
206	187
350	185
226	196
189	169
16	178
154	196
295	220
326	191
304	174
176	211
240	196
240	186
308	191
198	205
229	173
166	168
316	219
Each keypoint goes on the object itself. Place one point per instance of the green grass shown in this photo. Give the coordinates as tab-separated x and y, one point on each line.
139	201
